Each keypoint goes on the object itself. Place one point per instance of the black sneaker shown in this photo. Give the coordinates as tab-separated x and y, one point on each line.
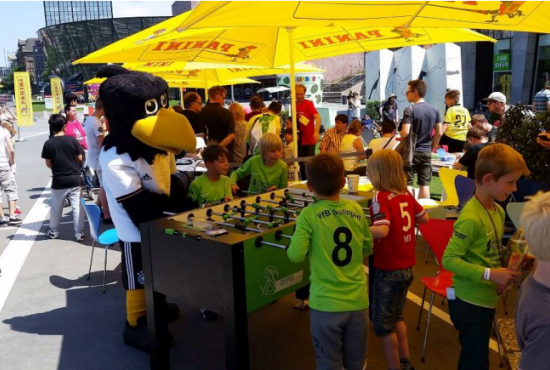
15	221
4	222
407	366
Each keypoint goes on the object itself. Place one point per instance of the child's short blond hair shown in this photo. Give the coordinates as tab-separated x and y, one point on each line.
268	143
535	221
325	173
385	171
499	160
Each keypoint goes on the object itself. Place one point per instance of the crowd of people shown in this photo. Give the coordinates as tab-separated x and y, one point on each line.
256	139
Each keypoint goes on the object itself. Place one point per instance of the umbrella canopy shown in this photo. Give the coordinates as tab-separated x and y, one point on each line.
526	16
273	89
182	82
269	46
200	71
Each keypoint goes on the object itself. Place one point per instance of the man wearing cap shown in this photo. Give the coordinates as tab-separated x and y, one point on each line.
389	111
496	103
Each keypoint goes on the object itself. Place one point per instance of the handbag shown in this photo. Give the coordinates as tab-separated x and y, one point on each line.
406	147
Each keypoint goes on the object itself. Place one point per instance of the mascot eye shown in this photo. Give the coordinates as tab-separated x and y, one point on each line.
164	101
151	106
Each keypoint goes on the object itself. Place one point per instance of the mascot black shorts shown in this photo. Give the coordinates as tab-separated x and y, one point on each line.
132	266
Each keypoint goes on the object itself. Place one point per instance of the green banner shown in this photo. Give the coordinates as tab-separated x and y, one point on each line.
501	62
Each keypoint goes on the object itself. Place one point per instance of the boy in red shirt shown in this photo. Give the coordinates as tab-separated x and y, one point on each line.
394	212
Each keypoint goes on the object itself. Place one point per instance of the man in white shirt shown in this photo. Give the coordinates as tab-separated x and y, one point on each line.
95	133
388	139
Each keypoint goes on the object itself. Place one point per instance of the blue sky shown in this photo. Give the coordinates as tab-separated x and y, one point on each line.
21	19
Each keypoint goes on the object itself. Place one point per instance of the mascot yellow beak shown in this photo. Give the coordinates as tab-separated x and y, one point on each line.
168	130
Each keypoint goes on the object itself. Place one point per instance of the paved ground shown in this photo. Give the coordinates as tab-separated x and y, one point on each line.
54	318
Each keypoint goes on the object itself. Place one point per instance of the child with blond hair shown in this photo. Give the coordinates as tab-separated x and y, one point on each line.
475	253
532	318
394	212
268	172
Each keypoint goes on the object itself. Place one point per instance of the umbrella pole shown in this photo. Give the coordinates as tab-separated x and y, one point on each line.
181	96
232	93
293	97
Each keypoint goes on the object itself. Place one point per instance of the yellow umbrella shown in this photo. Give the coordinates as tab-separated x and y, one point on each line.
263	46
525	16
183	82
269	47
201	71
94	80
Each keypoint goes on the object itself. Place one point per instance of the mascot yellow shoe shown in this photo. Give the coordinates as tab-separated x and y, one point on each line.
137	162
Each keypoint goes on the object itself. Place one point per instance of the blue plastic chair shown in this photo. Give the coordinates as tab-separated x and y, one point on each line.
465	188
107	238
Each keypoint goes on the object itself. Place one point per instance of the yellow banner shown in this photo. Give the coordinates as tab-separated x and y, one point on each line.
23	99
57	94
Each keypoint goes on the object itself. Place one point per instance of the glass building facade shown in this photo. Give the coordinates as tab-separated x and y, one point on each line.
58	12
67	42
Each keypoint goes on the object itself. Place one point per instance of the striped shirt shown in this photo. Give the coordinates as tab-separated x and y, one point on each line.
331	141
541	101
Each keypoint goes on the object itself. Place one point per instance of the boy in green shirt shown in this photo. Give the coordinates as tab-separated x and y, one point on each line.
336	234
475	253
267	171
212	187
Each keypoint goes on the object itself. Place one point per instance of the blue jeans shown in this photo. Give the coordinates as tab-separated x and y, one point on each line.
388	299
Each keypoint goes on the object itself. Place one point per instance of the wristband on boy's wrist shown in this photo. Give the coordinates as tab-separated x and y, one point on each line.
487	274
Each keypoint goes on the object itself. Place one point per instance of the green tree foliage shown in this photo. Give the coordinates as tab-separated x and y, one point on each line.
372	110
520	130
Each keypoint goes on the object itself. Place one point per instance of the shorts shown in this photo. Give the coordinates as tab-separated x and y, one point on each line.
422	165
8	184
388	299
132	266
453	145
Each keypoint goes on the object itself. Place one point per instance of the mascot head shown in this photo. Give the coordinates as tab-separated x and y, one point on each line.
140	121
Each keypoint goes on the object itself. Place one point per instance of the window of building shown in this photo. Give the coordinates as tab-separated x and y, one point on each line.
502	67
542	66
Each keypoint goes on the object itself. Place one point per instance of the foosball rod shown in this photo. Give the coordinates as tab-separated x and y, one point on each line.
239	227
237	209
279	203
235	226
225	216
259	242
280	235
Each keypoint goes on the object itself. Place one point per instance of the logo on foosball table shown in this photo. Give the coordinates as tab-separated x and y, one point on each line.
272	285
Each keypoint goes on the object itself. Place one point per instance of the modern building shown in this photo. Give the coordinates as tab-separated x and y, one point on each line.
519	63
58	12
179	7
4	72
75	29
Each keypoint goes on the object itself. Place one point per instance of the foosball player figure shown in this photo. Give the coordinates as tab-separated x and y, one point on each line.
475	254
267	171
335	234
213	187
394	212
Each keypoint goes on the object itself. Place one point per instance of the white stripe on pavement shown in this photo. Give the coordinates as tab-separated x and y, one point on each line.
15	254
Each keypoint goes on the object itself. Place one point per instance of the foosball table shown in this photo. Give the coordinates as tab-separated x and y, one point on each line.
230	258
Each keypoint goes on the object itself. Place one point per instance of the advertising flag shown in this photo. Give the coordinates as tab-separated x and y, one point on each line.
57	94
23	99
